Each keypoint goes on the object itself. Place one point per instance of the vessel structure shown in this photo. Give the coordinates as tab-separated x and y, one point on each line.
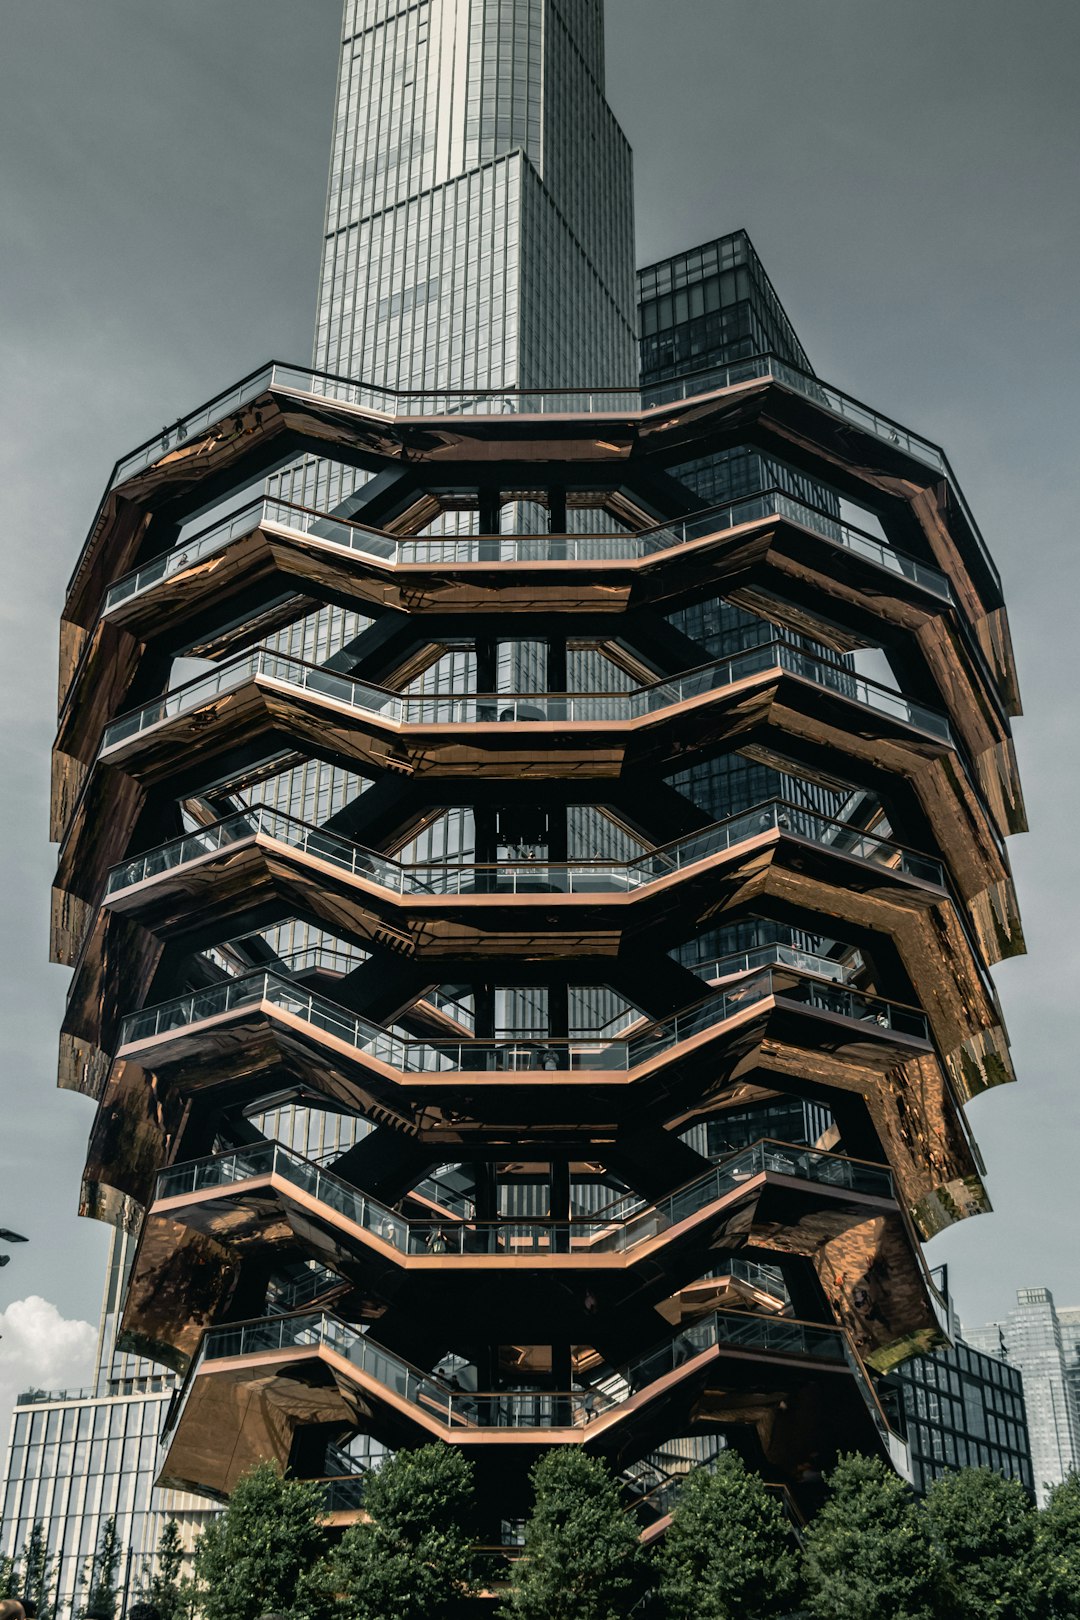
562	1218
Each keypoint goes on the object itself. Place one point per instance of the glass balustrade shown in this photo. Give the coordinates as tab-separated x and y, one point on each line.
457	402
487	709
603	1234
311	1284
520	1054
188	430
345	1495
525	877
455	1408
456	549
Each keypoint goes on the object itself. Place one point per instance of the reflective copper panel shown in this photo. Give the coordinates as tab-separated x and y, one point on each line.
641	1117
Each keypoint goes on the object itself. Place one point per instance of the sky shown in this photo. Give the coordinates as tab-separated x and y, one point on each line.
907	171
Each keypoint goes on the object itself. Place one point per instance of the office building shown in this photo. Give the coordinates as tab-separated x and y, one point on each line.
437	876
963	1407
702	311
1033	1341
76	1458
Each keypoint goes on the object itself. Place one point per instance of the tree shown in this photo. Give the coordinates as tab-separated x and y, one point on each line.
254	1557
1056	1554
983	1526
412	1558
868	1554
161	1586
101	1576
38	1574
582	1558
9	1575
729	1553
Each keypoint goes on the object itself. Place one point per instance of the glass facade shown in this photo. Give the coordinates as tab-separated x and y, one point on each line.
965	1408
704	308
467	244
710	306
76	1460
1036	1345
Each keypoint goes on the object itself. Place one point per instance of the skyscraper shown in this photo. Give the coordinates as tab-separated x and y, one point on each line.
479	225
1031	1338
532	837
467	244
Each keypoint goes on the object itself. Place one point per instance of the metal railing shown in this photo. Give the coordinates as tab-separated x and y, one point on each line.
149	1384
477	708
186	430
452	550
436	878
343	1494
519	1054
515	1236
441	1403
311	1284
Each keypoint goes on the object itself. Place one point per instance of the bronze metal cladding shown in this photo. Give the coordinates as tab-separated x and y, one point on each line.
646	1093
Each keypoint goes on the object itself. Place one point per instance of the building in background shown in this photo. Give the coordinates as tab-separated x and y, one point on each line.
76	1458
1034	1341
705	314
964	1407
1069	1323
480	212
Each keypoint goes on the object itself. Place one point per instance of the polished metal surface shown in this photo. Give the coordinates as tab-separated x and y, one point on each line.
751	1292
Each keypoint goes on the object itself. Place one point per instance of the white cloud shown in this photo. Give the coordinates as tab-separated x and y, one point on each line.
40	1349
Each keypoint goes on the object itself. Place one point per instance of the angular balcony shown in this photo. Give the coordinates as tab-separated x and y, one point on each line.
260	865
247	714
228	586
524	1073
839	1213
778	1377
230	1045
305	550
441	441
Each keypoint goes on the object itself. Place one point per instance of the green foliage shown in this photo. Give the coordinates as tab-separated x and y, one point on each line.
100	1578
1056	1556
36	1577
582	1558
163	1588
255	1557
729	1553
983	1527
412	1560
868	1554
8	1574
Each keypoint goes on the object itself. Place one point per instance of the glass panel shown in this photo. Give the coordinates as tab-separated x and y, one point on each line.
586	877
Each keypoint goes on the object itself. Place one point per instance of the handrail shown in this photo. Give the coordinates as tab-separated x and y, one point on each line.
456	1409
435	878
629	400
484	708
509	1235
396	551
518	1053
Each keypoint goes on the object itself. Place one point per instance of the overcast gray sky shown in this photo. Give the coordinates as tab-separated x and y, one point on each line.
908	172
